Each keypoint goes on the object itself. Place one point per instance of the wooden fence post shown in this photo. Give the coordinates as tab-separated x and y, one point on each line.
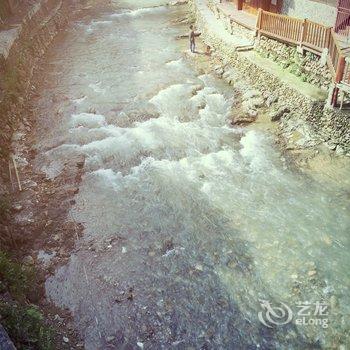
258	23
338	78
340	69
302	36
328	36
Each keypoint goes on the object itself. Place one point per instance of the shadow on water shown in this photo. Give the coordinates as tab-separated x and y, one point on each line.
163	285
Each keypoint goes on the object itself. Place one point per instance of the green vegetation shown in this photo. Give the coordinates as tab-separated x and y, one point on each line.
4	205
26	327
15	278
24	322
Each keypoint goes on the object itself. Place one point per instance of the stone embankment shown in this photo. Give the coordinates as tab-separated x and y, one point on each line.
293	87
21	46
24	224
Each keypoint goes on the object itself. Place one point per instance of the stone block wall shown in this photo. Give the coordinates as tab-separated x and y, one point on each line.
16	69
309	67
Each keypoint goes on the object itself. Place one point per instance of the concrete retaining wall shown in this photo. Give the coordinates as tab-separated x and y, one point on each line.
20	49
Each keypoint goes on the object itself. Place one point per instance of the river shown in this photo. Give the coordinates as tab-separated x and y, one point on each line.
188	222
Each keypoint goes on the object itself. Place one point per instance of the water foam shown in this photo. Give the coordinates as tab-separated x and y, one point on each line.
88	120
96	87
139	12
254	151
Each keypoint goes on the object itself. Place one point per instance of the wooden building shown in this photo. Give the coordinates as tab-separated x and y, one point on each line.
252	6
333	13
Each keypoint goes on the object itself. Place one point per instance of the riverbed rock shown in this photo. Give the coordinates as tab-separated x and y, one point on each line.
28	260
276	115
242	119
271	99
17	207
312	273
251	94
339	150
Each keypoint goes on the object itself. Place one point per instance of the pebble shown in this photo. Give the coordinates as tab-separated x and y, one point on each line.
327	240
312	273
199	267
58	318
17	207
333	301
28	260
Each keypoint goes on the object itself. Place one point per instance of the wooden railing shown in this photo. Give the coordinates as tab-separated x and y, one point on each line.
280	27
309	35
335	56
346	75
294	30
315	36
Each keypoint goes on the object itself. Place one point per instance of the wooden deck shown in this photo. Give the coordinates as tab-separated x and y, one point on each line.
247	20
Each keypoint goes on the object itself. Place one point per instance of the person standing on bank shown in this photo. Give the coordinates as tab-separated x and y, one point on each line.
192	37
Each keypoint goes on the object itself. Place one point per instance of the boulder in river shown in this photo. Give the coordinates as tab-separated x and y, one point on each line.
243	119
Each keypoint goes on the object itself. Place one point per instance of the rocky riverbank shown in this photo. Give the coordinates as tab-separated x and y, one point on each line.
26	224
303	120
21	46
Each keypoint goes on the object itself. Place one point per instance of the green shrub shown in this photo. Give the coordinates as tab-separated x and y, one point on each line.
26	326
24	323
17	279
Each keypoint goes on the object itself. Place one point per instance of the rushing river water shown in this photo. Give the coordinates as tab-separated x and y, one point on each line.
188	222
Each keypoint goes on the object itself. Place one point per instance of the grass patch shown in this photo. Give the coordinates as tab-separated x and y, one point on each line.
24	322
26	326
16	279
